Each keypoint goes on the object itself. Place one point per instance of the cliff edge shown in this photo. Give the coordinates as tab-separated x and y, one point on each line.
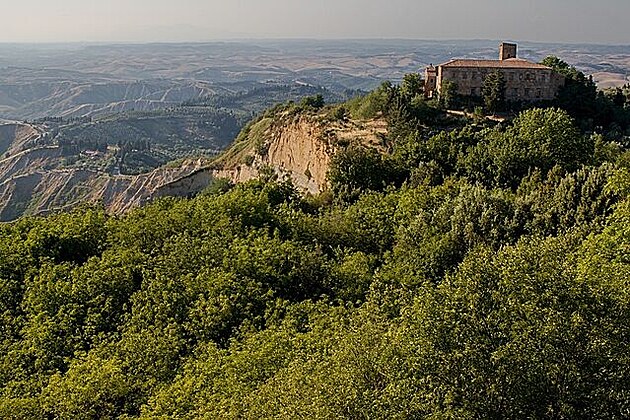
298	146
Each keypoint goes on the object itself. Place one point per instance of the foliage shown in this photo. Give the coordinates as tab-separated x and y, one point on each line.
412	85
596	110
448	94
538	139
316	101
373	104
477	271
494	91
358	169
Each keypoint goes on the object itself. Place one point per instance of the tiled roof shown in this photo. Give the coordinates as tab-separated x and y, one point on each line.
510	63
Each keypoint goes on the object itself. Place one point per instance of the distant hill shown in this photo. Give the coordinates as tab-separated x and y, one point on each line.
124	159
79	80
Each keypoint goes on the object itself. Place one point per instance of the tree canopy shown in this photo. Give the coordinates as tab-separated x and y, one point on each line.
463	269
494	91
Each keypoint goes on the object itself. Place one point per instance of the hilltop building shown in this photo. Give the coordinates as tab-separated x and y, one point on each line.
524	80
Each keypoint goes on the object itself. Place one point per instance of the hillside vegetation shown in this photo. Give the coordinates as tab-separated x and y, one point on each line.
297	142
458	269
125	159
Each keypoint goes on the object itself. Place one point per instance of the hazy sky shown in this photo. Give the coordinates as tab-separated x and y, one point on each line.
595	21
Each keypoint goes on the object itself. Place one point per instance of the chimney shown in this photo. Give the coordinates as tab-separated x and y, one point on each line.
507	50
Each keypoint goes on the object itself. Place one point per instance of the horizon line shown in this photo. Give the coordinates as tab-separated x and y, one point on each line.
302	39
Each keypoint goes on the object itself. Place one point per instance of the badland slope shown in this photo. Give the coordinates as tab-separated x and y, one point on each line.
35	177
288	143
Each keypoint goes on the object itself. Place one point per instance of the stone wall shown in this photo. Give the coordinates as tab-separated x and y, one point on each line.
520	84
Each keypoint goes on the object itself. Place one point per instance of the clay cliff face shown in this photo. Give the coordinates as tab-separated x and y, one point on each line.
299	147
298	150
32	183
15	137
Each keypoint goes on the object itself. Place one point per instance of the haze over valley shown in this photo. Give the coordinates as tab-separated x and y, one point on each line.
333	209
83	121
79	80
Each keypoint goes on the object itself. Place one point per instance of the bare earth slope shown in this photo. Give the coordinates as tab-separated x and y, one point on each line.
298	146
30	184
15	137
294	146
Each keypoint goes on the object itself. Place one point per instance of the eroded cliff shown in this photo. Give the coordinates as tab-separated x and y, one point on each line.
298	146
33	179
294	145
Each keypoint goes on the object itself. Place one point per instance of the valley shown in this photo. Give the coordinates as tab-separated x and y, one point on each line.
118	125
73	80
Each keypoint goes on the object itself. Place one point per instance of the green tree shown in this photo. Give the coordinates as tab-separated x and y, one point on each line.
359	168
447	94
578	96
493	91
316	101
412	85
539	138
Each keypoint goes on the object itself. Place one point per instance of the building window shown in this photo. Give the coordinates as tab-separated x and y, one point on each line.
511	77
474	75
542	77
527	92
538	93
520	76
464	75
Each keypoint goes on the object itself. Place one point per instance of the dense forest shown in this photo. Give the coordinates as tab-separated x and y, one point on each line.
476	269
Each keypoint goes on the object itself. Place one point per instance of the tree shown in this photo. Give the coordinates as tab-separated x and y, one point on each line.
316	101
358	169
494	91
552	137
412	85
540	138
448	93
578	96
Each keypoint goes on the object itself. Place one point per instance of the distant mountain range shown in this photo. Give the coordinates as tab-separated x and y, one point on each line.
100	123
78	80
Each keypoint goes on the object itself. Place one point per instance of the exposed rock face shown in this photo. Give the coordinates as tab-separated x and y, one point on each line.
15	137
31	183
303	152
299	147
42	192
298	150
184	185
121	193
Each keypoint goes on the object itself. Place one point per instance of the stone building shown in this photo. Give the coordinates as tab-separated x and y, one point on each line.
524	80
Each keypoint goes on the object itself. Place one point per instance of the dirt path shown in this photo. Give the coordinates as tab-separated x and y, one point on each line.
469	115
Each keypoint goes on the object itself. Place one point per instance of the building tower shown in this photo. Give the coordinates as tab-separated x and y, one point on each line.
430	81
507	50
